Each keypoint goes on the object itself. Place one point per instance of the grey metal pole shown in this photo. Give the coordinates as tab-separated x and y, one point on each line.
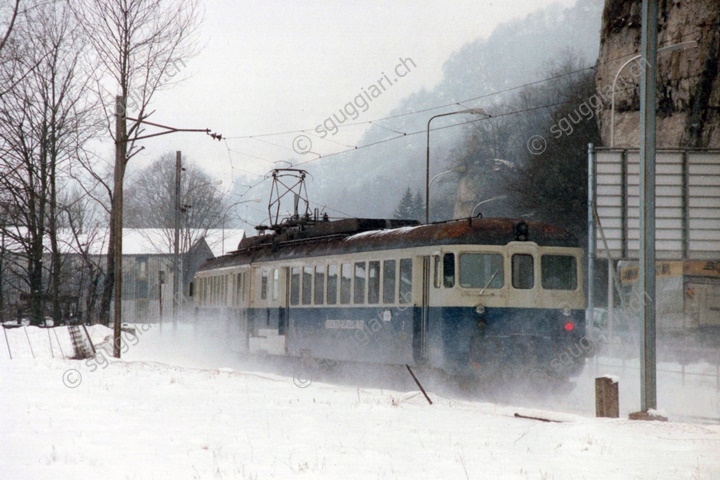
648	387
591	236
176	254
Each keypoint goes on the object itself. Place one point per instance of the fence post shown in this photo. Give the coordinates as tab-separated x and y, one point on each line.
606	397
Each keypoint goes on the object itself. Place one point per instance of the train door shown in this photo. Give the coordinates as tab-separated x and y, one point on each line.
421	312
524	275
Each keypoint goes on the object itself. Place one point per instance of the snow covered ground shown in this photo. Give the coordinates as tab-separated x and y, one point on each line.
178	406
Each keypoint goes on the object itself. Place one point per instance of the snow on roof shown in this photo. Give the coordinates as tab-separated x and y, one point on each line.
136	241
222	241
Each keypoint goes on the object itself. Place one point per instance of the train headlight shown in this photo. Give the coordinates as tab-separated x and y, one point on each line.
480	310
566	311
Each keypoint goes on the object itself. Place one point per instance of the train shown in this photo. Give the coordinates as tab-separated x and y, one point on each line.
477	298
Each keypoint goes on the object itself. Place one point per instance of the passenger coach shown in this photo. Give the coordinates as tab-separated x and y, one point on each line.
473	297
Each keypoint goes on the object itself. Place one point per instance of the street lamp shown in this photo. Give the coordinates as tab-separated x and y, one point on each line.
472	213
474	111
669	48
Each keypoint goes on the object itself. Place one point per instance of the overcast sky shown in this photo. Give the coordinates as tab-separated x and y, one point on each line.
278	66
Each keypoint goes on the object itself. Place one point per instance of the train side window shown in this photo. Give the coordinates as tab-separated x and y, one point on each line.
276	284
360	279
389	281
307	285
558	272
319	284
405	280
264	284
345	283
294	285
523	272
332	284
373	282
449	270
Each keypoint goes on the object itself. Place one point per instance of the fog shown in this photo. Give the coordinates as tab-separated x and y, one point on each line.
688	388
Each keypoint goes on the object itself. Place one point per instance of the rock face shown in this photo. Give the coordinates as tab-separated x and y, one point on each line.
688	88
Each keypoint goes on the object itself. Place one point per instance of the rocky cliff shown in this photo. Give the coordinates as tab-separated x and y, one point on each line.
688	74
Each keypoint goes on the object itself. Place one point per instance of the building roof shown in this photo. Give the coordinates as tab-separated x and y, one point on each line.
136	241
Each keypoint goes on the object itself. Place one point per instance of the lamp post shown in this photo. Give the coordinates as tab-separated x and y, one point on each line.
474	111
500	197
227	210
669	48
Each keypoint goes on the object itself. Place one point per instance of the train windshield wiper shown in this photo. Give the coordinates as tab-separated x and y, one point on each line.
490	281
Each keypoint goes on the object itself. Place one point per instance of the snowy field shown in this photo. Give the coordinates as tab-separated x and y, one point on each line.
180	406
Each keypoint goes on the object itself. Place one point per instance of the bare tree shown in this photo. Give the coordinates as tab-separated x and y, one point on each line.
45	117
150	201
9	11
139	44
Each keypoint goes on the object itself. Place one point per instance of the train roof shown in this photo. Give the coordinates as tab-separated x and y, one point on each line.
355	235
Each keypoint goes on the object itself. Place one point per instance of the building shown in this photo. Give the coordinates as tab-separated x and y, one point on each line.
148	266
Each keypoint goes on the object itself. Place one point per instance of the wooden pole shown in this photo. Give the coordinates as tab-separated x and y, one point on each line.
418	384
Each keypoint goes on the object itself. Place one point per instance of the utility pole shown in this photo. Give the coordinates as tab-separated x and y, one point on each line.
648	372
176	255
117	200
117	209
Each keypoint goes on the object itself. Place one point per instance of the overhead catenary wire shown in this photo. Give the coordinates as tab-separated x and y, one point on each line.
402	134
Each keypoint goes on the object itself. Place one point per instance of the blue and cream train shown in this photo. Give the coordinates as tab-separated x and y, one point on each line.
472	297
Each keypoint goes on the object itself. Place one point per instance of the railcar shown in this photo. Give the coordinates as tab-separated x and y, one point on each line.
473	297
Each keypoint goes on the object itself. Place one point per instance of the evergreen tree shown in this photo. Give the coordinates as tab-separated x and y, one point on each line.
418	207
406	207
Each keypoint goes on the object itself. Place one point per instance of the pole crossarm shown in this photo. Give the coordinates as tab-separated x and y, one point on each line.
216	136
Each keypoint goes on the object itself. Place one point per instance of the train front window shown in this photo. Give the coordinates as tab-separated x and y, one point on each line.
481	270
558	272
523	271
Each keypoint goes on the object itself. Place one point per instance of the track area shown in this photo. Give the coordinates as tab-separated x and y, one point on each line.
177	407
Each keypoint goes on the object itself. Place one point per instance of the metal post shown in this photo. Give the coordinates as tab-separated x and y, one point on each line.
611	297
648	391
176	255
591	236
